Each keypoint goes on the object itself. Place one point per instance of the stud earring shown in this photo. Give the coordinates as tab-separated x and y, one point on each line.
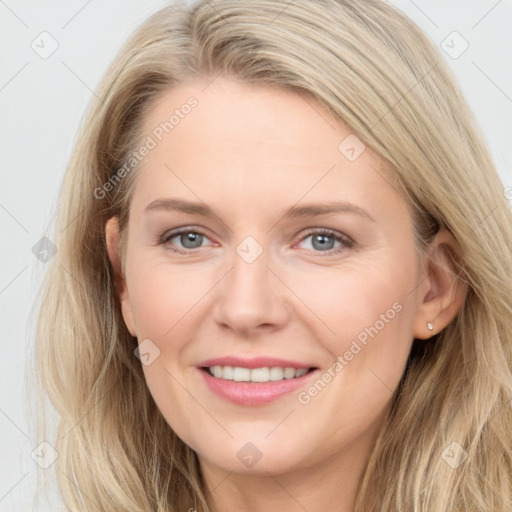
429	326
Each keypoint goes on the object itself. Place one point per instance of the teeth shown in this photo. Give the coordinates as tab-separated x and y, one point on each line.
227	372
239	374
289	373
276	374
260	375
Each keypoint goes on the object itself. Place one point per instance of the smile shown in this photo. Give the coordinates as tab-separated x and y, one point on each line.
256	381
265	374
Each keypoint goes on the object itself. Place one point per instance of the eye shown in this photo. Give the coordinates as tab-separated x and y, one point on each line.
325	240
186	240
183	240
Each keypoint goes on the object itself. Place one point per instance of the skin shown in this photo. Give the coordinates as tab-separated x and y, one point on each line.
249	153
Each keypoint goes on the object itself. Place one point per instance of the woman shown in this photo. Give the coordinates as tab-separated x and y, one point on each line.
284	273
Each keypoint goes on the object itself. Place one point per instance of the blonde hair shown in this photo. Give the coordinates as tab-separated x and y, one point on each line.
374	70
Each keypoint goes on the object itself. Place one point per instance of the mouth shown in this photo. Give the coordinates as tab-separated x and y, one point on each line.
254	382
263	374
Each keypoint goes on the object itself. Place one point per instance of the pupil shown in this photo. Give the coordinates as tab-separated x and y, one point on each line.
190	240
323	241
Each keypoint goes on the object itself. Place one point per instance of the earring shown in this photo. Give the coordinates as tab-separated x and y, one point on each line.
429	326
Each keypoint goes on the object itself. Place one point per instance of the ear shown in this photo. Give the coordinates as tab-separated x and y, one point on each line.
442	292
112	241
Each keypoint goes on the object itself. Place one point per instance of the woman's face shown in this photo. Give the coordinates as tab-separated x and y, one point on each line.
294	251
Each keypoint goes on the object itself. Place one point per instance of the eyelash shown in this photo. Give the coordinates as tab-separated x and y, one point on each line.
346	241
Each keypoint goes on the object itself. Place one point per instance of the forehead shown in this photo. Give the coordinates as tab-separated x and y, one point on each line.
253	143
244	118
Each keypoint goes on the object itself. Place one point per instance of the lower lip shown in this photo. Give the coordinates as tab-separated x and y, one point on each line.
253	394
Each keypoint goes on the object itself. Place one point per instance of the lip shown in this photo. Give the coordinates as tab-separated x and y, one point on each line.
254	394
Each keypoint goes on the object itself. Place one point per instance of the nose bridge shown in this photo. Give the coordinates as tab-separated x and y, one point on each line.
249	297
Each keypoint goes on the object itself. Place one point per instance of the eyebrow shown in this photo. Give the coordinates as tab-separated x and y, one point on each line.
308	210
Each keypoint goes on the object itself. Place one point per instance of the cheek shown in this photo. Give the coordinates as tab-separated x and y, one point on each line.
365	313
164	305
370	310
169	306
162	297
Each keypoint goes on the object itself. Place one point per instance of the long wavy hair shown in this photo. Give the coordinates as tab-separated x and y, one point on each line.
374	70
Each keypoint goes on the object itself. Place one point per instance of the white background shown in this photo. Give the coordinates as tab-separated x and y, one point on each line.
43	101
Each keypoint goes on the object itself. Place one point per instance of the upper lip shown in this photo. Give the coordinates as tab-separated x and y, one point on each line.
253	362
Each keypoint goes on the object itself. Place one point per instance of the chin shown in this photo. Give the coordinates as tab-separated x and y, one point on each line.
258	457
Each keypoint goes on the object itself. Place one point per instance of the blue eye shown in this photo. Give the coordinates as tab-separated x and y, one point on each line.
325	240
185	240
190	239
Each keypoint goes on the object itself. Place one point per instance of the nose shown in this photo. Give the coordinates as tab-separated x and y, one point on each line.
251	299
